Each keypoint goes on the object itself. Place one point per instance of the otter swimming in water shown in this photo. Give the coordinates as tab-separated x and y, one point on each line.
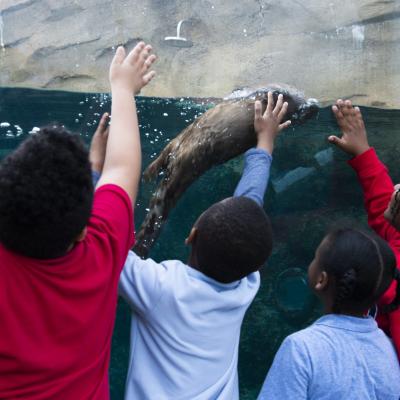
215	137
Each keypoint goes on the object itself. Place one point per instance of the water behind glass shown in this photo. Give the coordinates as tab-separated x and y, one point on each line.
311	189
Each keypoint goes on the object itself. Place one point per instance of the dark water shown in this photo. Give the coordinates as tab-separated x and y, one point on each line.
311	190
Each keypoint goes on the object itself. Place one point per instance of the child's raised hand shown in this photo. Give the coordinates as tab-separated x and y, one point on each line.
132	72
98	145
354	140
268	125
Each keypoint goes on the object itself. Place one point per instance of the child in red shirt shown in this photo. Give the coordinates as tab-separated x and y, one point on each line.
62	249
382	202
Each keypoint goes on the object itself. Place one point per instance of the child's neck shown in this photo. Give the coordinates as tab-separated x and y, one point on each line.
192	262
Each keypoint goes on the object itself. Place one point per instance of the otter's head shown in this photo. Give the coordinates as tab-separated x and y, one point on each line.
299	108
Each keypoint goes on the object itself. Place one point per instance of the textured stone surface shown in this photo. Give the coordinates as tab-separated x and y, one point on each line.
328	48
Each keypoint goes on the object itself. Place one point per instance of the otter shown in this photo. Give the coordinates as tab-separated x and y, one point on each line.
220	134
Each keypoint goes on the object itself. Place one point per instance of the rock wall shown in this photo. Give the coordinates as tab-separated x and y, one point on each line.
328	48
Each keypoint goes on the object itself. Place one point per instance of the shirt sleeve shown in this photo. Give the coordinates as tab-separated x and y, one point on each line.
254	180
288	376
378	189
110	227
141	283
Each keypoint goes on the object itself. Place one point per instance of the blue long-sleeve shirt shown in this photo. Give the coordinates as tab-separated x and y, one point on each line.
255	176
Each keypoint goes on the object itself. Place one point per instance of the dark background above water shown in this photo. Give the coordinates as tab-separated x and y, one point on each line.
311	189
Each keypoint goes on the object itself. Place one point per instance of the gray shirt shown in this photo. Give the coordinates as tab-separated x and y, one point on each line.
338	357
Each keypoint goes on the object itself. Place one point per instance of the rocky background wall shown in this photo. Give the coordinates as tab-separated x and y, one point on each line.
327	48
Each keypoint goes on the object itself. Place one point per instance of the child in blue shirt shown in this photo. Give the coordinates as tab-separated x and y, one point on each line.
186	318
343	355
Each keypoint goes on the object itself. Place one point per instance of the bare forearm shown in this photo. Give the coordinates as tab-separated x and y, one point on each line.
123	147
123	156
266	144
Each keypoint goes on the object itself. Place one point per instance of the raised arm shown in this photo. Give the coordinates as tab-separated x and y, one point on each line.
128	75
373	175
98	146
254	180
140	281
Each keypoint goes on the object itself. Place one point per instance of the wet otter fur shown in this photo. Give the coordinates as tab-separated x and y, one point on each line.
217	136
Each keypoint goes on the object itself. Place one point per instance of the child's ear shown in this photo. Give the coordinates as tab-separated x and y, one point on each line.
82	235
322	281
192	235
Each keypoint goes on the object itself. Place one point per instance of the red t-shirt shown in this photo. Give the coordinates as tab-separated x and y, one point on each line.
57	316
378	189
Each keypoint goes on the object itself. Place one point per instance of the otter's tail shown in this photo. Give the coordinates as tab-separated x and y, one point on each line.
151	226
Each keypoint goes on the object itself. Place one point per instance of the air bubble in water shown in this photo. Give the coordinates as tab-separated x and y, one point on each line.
35	129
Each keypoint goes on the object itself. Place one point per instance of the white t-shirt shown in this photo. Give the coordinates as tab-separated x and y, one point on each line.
185	331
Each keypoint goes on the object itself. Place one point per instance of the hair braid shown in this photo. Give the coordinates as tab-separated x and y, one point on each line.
345	286
381	262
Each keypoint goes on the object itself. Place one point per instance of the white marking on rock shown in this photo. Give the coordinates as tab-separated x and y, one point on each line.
358	33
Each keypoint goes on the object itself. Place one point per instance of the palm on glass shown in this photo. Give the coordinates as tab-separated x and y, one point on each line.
268	125
354	140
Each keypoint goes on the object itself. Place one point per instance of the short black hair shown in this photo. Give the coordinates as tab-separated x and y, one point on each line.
234	238
363	266
46	194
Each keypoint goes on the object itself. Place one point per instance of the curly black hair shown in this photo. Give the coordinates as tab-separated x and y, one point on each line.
46	194
234	238
363	266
